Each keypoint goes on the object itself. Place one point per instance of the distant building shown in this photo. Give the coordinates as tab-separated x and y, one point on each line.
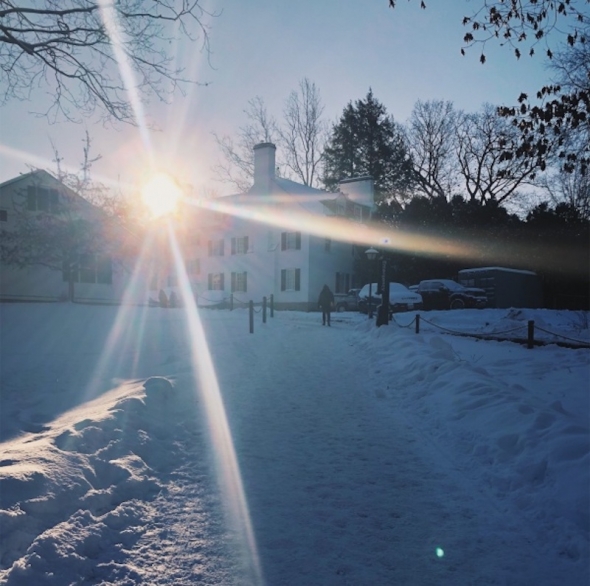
277	239
54	265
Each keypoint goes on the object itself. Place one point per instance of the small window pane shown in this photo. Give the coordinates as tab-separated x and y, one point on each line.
87	268
31	198
43	199
104	270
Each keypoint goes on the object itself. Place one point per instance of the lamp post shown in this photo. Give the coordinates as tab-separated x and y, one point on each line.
383	309
371	256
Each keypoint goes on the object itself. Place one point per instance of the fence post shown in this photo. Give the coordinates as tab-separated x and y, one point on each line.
531	334
251	316
264	310
417	323
272	305
231	302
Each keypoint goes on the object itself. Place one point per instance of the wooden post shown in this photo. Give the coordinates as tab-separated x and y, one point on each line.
264	310
272	305
417	323
531	334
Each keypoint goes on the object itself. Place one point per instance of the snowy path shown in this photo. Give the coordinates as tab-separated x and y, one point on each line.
331	465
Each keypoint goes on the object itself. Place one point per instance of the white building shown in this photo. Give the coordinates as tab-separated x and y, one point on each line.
49	265
281	238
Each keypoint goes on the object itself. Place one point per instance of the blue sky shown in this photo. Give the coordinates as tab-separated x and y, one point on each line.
264	48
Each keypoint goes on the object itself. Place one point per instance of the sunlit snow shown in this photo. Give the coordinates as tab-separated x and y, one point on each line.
368	456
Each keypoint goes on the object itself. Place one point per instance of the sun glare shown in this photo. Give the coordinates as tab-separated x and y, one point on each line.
161	194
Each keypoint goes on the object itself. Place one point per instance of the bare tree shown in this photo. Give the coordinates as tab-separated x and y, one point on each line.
432	139
537	27
237	167
70	223
127	209
572	188
300	134
55	228
303	133
85	51
489	170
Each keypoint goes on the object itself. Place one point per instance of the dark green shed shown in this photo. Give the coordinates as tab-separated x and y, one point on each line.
505	287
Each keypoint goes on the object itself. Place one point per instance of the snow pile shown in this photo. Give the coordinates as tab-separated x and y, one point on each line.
368	455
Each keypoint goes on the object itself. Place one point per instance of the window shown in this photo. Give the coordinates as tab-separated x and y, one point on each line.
88	268
239	245
290	240
327	244
290	279
216	247
42	199
3	216
342	283
104	270
216	282
358	213
193	266
271	244
70	268
239	282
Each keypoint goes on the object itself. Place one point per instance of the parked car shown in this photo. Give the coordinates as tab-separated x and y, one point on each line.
400	298
347	301
447	294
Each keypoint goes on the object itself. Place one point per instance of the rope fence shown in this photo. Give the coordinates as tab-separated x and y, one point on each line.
530	340
501	336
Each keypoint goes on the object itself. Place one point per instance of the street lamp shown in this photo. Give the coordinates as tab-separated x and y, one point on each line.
371	256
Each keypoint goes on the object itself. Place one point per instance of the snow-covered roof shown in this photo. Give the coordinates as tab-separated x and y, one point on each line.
283	191
503	269
23	176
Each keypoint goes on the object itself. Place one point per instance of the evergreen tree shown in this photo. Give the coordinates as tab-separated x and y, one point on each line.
367	141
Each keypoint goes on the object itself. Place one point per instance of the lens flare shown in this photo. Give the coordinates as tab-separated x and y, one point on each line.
161	195
230	479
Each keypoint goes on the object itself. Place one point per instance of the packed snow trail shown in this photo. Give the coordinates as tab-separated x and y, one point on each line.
340	493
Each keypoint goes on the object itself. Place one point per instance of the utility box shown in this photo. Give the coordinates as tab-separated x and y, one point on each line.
505	287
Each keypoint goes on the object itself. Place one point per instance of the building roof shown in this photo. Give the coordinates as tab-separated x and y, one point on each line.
23	176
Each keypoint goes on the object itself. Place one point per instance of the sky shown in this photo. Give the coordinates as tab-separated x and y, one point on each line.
174	447
265	48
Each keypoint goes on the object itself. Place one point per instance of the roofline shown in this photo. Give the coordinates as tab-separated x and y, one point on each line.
355	179
25	175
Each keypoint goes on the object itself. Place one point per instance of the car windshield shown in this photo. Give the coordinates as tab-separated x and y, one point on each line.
393	288
398	288
452	285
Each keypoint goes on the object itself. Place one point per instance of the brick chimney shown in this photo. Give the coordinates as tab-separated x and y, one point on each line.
264	166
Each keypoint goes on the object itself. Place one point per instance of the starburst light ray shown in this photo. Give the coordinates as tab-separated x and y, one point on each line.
269	210
25	157
124	337
220	433
109	18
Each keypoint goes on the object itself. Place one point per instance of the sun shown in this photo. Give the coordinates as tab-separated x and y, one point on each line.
161	194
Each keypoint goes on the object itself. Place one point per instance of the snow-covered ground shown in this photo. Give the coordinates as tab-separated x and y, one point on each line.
359	455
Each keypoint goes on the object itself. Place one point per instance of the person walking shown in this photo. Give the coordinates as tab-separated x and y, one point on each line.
325	301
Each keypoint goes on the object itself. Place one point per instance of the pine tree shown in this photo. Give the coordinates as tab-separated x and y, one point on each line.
367	141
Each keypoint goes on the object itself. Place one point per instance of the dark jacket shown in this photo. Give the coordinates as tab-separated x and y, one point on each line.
326	298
